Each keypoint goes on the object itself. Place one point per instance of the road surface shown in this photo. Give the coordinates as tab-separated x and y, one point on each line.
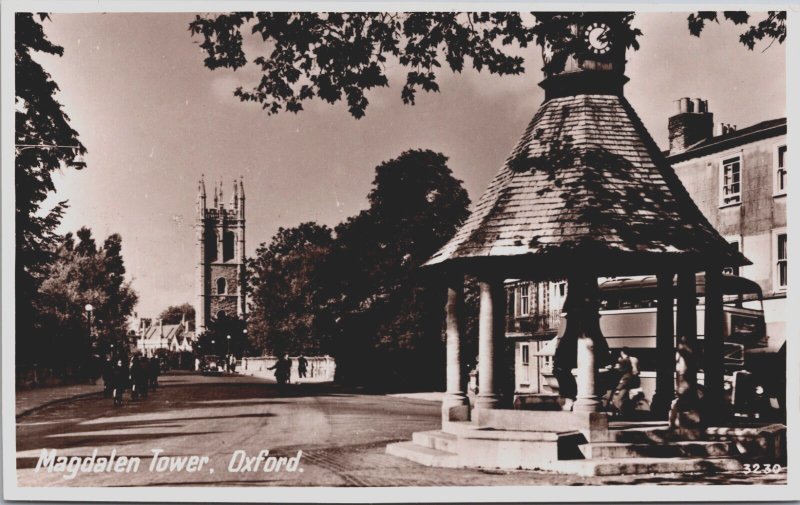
342	437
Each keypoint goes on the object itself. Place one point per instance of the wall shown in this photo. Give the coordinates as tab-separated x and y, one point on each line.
320	368
753	220
228	302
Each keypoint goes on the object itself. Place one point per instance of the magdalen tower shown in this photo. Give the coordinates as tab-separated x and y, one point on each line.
220	265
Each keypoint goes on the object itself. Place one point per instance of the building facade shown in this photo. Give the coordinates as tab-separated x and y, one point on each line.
737	178
220	269
154	335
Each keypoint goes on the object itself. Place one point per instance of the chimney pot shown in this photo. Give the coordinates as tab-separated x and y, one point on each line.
692	124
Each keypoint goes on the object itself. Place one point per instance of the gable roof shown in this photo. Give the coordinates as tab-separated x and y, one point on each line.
586	182
154	332
758	131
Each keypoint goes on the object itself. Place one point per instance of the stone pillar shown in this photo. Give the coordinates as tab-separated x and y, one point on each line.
686	319
665	346
713	359
587	399
455	405
581	344
490	332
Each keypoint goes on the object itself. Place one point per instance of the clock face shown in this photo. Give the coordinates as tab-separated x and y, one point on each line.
596	35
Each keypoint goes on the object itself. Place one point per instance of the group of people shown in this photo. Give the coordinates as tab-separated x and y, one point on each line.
283	368
140	375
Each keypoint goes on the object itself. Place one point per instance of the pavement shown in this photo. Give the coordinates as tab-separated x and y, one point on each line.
336	438
32	399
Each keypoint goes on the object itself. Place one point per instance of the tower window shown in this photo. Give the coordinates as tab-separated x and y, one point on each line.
228	241
211	244
222	286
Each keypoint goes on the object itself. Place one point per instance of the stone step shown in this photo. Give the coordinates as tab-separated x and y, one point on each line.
617	450
439	440
422	455
468	430
654	436
636	466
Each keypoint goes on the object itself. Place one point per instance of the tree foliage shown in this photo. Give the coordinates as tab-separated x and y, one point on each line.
39	121
772	27
339	56
215	339
288	313
82	274
174	314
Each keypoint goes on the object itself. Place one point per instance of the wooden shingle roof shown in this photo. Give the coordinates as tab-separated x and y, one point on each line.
587	182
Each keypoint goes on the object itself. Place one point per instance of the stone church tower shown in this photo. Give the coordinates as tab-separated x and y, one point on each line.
220	256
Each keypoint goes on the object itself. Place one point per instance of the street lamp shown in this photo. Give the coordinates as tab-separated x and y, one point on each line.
229	344
88	307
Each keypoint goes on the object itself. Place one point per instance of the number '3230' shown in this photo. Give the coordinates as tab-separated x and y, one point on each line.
759	468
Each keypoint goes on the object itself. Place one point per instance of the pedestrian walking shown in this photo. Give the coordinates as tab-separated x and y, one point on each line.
139	378
302	366
283	369
232	363
108	377
119	381
153	371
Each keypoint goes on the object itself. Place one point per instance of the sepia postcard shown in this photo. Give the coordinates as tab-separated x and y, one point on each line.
393	252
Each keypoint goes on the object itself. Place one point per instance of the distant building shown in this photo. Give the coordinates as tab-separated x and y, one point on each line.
220	265
737	177
151	336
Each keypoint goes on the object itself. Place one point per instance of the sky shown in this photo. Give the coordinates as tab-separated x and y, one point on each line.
154	118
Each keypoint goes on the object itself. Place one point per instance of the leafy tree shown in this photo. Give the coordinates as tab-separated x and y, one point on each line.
772	27
39	121
83	274
391	315
338	56
215	339
287	312
174	314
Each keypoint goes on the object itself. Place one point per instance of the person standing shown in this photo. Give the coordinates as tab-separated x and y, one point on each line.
232	363
120	382
302	366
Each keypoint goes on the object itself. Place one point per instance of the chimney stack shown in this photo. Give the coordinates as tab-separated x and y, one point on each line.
691	124
724	129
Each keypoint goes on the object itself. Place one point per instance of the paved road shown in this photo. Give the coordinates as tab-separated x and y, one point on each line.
341	435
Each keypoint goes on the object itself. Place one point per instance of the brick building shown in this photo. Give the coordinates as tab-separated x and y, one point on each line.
737	178
221	256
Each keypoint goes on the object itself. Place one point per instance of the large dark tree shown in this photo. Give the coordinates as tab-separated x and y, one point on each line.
80	274
287	312
390	316
215	339
339	56
45	142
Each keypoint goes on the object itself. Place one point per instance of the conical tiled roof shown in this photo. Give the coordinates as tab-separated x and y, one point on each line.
587	182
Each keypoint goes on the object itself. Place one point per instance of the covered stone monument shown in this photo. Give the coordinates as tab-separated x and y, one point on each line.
586	193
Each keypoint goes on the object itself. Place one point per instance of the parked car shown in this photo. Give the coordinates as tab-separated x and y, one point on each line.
212	365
